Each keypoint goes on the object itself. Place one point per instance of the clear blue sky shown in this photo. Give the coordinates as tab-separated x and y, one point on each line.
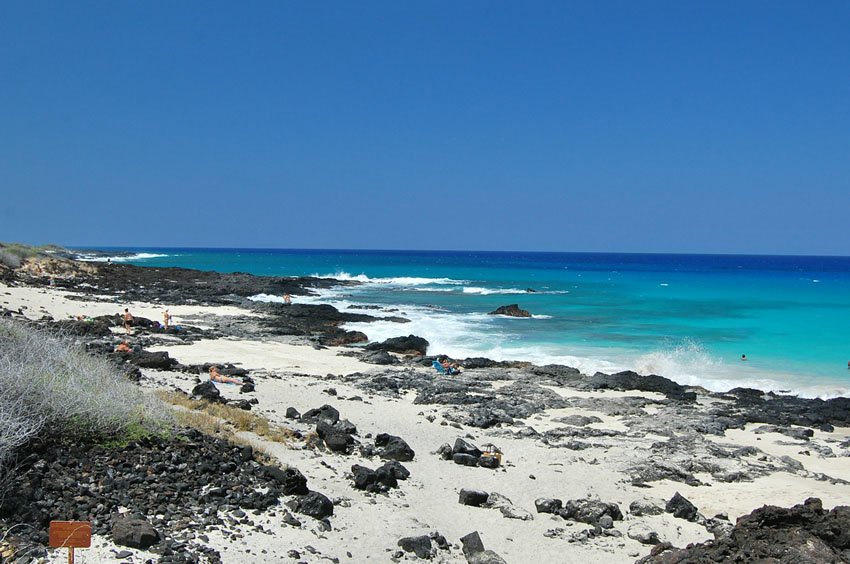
660	126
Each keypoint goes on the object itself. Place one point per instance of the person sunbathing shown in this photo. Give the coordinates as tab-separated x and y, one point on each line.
123	347
217	376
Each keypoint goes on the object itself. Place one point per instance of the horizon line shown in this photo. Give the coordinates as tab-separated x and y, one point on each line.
668	253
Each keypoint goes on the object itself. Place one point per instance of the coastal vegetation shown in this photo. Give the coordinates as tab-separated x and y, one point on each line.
12	255
49	388
223	420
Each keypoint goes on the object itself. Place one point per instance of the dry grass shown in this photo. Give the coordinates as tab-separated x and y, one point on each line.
215	426
212	418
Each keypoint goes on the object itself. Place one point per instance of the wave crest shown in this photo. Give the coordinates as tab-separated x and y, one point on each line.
119	258
394	281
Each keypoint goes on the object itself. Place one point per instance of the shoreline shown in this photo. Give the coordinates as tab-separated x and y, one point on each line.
683	361
532	413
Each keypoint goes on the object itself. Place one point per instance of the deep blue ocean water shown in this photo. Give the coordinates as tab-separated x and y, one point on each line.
686	317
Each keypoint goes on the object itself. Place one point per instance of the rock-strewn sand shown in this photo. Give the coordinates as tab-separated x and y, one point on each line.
366	527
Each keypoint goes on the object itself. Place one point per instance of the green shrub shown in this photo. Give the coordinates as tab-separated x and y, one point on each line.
50	387
14	254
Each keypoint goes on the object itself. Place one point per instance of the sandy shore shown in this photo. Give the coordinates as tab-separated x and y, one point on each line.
366	527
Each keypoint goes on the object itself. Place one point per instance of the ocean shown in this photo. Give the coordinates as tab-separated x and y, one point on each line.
689	318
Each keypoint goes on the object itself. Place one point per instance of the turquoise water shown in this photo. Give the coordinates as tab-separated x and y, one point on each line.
686	317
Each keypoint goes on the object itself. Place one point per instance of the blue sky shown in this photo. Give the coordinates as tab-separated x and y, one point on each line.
675	126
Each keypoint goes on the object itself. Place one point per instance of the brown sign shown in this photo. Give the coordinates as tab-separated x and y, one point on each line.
70	534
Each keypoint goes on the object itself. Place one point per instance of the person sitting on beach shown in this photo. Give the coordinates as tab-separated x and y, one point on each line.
287	299
128	321
217	376
166	319
123	347
451	368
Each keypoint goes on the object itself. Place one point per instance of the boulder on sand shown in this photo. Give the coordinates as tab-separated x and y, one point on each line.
394	448
135	532
206	390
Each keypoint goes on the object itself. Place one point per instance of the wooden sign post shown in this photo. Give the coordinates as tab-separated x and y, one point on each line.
70	535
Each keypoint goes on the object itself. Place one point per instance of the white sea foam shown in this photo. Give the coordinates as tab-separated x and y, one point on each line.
266	298
120	258
428	289
489	291
690	364
392	281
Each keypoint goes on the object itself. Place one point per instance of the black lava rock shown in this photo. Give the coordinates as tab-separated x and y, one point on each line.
394	448
803	533
590	511
475	498
326	413
290	480
681	507
464	447
465	459
315	505
134	532
545	505
512	310
404	345
207	390
421	545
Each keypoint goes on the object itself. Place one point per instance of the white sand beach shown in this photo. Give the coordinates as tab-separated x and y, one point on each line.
366	527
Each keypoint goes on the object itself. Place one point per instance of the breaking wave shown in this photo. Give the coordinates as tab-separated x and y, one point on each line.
119	258
393	281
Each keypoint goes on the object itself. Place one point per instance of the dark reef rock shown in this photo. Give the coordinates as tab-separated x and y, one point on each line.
341	337
512	310
754	406
93	328
590	511
403	345
803	533
629	380
147	359
379	357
